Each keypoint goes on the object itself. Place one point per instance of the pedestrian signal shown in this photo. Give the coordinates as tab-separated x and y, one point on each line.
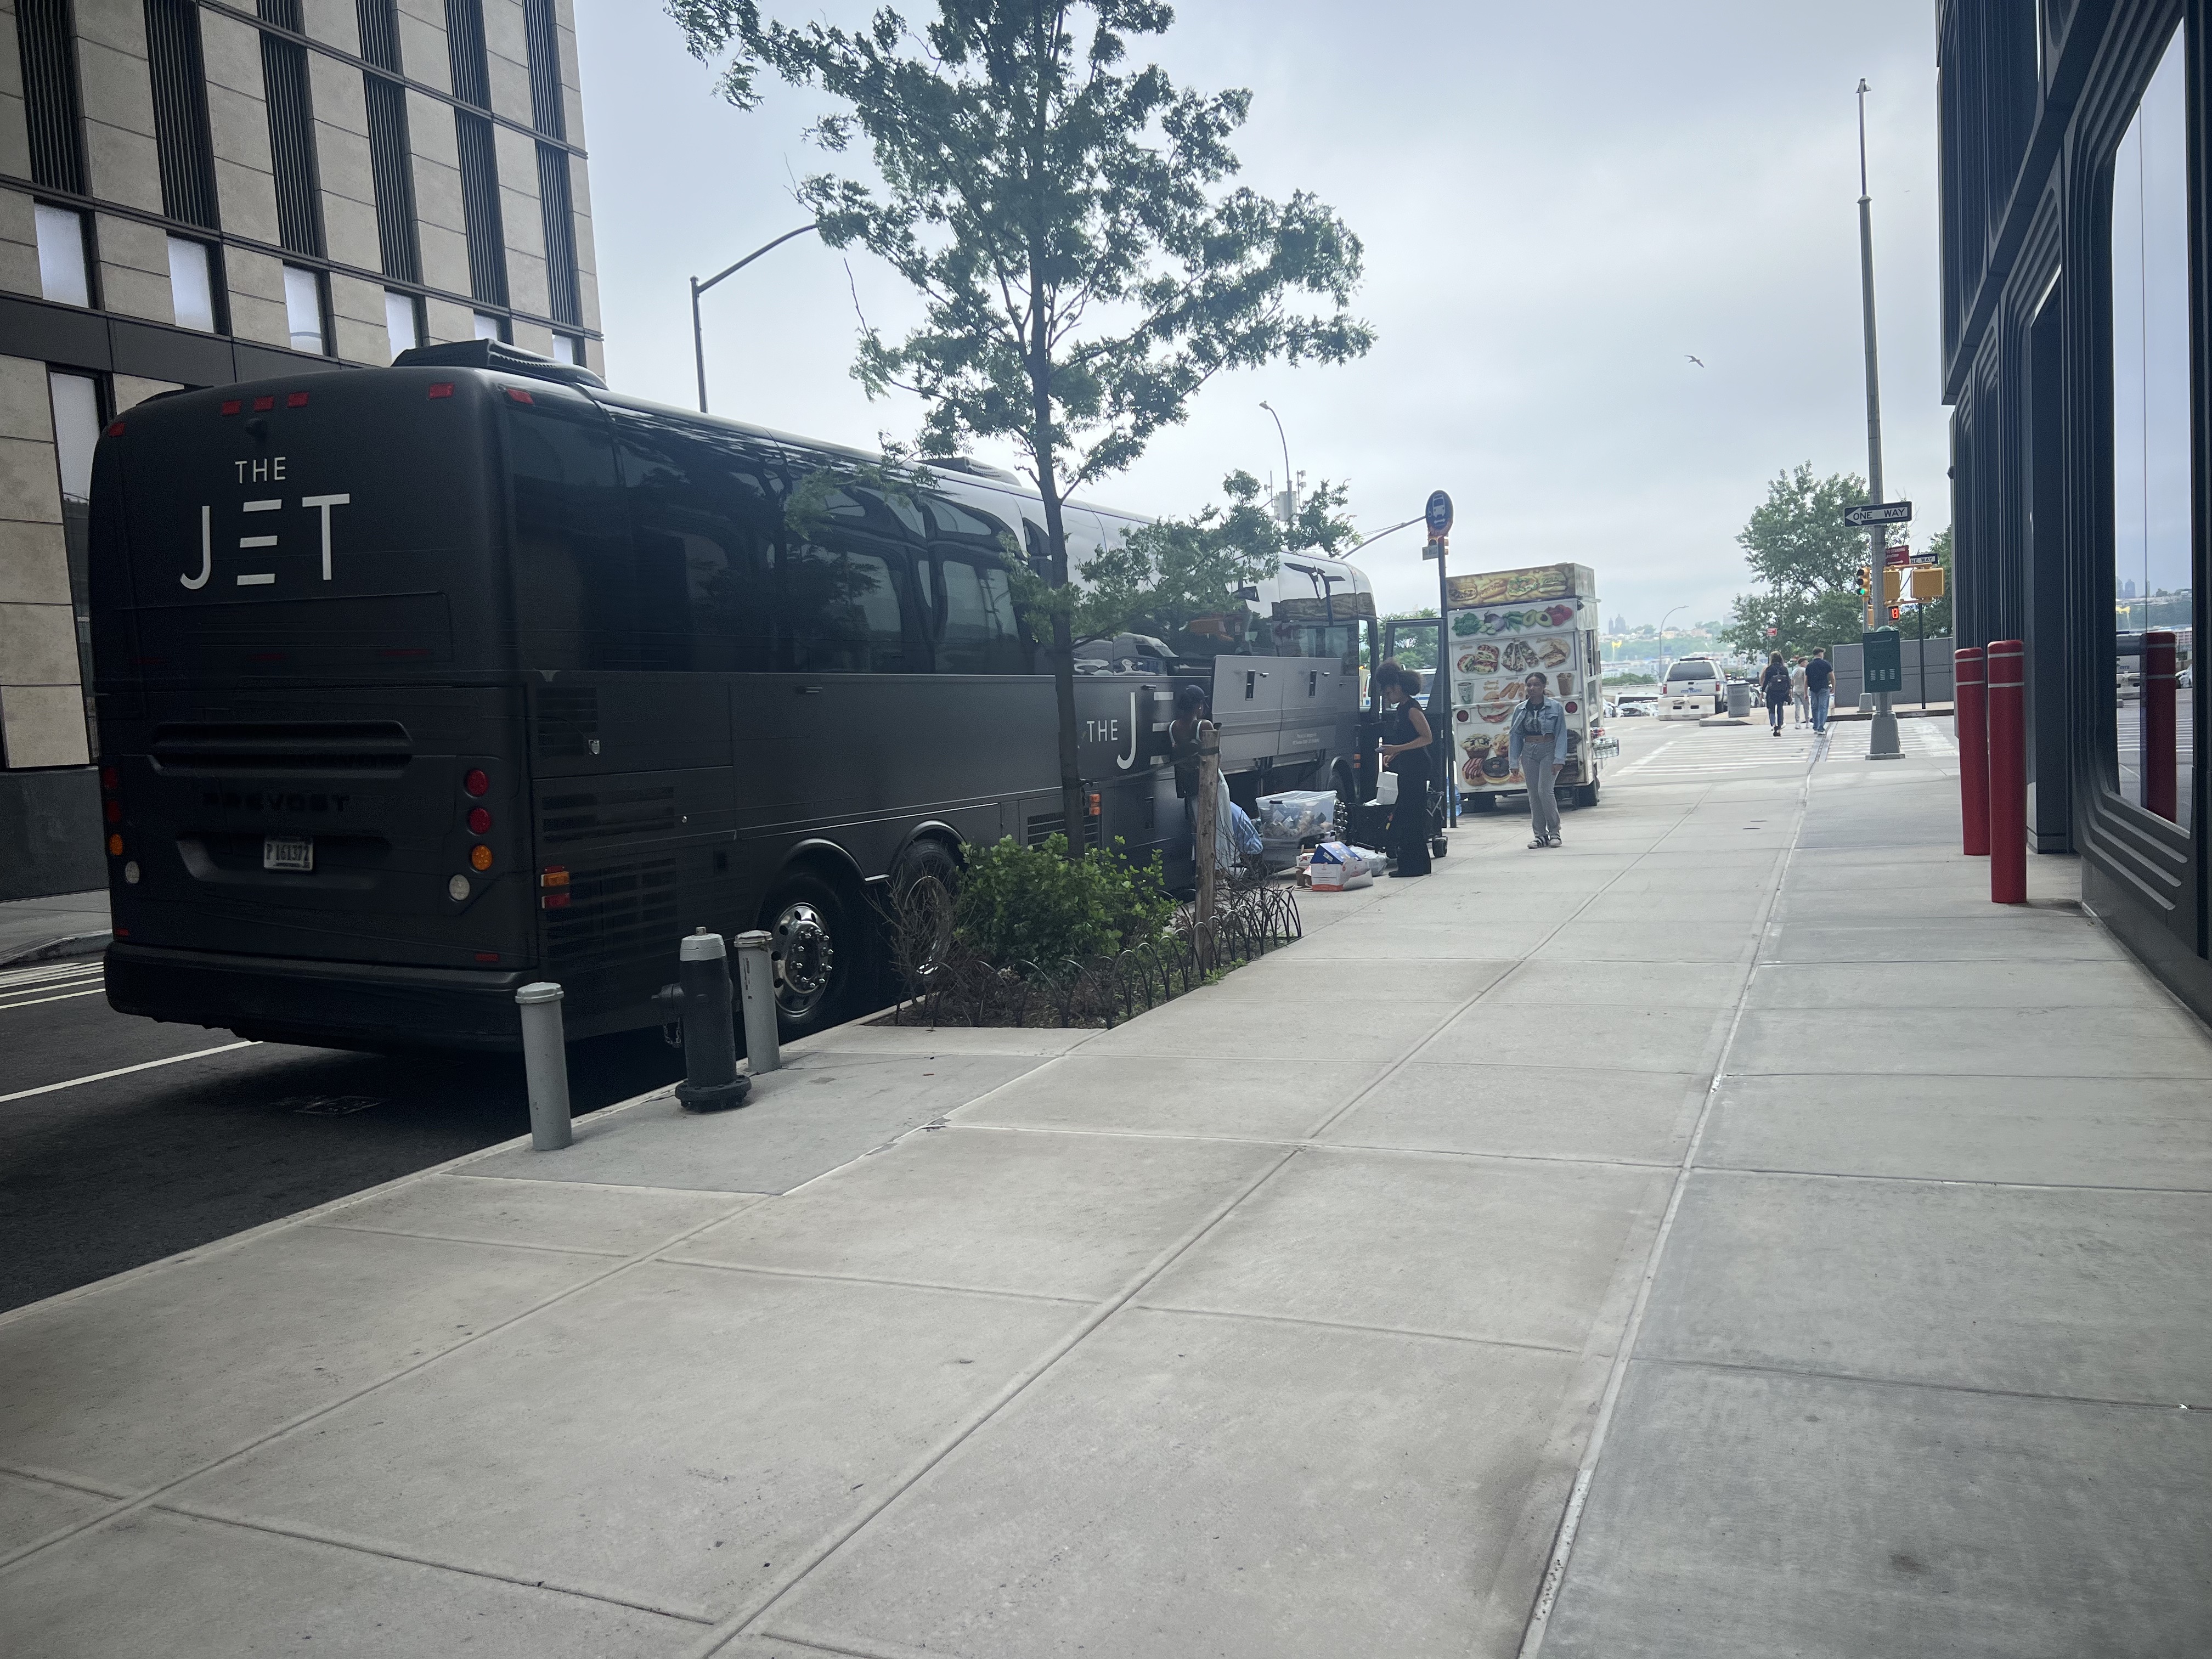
1927	582
1896	612
1892	584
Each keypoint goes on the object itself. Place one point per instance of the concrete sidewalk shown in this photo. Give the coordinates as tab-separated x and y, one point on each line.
1290	1318
67	924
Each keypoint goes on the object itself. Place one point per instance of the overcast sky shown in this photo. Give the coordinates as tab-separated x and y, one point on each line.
1561	205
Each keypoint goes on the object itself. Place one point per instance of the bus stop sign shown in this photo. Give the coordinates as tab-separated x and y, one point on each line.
1439	515
1883	660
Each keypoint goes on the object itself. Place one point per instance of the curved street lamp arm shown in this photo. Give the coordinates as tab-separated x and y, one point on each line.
698	287
764	248
1379	535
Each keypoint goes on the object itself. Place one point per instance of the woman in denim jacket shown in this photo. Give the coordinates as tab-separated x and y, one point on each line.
1536	744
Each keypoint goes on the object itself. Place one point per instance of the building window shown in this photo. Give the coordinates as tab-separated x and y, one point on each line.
541	31
402	320
480	208
465	53
567	348
46	43
192	285
392	173
303	309
291	131
489	327
380	33
2154	563
181	141
64	272
75	400
553	203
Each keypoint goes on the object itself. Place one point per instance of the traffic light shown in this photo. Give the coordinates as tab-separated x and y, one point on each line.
1864	581
1892	584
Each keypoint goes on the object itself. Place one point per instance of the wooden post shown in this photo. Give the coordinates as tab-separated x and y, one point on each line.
1209	788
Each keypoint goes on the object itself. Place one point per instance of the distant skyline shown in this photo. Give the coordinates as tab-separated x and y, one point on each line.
1581	205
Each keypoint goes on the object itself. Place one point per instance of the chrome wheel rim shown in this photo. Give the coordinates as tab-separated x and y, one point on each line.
804	958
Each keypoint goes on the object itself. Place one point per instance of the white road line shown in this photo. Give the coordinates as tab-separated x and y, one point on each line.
40	976
35	1002
124	1071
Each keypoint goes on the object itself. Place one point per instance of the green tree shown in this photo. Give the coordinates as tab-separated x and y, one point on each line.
1082	273
1417	649
1800	549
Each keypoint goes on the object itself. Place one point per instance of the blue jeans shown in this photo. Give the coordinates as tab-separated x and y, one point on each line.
1822	699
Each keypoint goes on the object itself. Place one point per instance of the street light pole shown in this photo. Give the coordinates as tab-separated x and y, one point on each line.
698	287
1685	606
1882	744
1289	495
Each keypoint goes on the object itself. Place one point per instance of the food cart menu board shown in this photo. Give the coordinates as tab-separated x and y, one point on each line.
1486	689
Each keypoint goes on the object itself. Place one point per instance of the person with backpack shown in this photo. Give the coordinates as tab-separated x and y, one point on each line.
1819	686
1774	685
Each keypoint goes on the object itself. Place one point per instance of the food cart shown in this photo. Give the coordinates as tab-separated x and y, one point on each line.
1503	624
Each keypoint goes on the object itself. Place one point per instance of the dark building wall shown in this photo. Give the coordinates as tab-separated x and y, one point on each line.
2036	102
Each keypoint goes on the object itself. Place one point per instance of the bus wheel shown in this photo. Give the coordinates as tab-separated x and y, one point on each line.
924	883
817	954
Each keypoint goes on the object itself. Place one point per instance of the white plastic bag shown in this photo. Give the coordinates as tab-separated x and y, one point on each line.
1296	814
1386	790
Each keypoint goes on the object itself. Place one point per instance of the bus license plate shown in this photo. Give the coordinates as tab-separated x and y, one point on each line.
287	853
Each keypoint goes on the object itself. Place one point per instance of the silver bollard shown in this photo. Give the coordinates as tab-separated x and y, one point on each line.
757	993
545	1066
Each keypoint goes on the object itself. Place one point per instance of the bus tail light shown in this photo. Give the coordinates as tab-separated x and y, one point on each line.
554	879
115	846
296	400
479	821
476	782
442	388
232	406
263	405
115	428
480	858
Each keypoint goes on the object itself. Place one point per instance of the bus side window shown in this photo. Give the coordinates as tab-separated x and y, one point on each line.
840	611
976	632
703	514
570	556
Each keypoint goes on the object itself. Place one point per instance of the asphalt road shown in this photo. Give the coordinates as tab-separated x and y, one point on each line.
197	1136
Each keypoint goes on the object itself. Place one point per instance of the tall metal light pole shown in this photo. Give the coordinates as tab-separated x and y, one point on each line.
1685	606
1290	496
698	287
1882	742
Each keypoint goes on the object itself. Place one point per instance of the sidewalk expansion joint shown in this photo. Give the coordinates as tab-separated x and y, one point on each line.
466	1238
1861	1379
993	1291
1951	1181
1521	1344
417	1558
1765	927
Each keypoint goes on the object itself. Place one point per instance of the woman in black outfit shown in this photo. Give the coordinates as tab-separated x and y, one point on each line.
1406	750
1774	685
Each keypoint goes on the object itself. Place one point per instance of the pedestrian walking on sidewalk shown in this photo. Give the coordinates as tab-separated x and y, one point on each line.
1800	700
1536	743
1775	684
1408	751
1819	686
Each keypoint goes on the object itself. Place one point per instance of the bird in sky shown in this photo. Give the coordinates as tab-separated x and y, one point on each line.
1698	361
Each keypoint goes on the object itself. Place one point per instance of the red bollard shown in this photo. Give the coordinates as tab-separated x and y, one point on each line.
2008	661
1970	699
2158	751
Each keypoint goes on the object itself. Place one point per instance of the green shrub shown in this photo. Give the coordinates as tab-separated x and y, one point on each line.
1021	904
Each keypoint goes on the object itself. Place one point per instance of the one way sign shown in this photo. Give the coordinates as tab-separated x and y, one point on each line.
1873	513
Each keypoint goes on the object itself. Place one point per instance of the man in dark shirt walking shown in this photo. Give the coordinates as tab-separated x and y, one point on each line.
1820	686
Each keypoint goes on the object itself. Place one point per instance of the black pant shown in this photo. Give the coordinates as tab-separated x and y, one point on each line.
1409	825
1774	707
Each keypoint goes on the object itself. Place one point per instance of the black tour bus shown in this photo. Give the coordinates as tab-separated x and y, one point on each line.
415	684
